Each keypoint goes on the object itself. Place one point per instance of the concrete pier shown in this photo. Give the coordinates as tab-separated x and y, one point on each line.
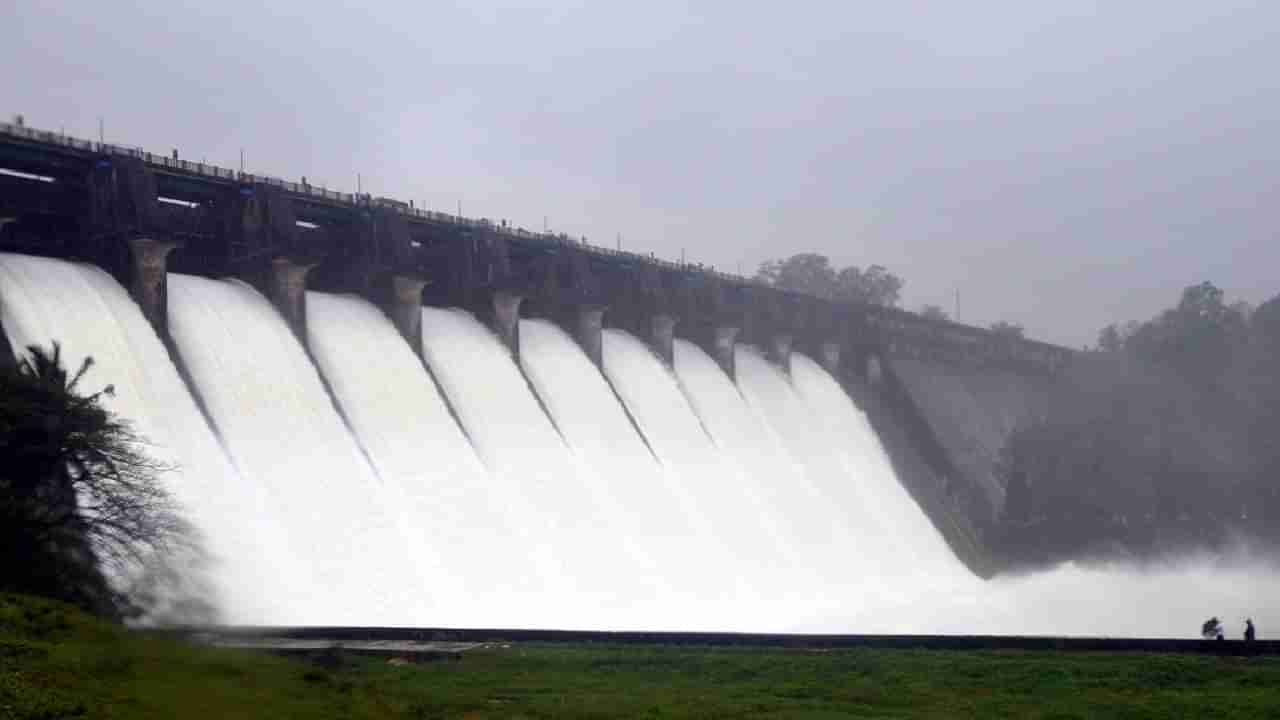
780	351
662	337
148	280
404	307
590	332
829	356
722	349
506	319
875	374
287	289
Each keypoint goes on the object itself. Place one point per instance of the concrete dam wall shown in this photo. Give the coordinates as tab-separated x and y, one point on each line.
971	412
512	415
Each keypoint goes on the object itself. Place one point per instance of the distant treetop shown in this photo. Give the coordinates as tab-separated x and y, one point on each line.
813	274
934	312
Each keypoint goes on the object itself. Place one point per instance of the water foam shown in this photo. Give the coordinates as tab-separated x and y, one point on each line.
445	498
568	530
280	426
305	530
90	315
628	484
759	571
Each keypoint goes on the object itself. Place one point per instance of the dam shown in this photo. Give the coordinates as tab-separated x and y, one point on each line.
385	415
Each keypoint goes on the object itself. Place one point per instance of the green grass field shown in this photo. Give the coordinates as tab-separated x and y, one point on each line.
58	663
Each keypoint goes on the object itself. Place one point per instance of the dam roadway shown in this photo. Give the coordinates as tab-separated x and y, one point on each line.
67	197
141	215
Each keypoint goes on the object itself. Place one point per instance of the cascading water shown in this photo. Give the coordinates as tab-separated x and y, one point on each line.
724	502
876	578
251	566
905	535
629	485
784	471
916	586
448	503
280	426
566	530
784	495
677	542
769	394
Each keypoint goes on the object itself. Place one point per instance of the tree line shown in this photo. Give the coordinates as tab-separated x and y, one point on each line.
1161	438
813	274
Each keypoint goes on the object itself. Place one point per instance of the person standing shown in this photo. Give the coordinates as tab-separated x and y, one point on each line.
1249	634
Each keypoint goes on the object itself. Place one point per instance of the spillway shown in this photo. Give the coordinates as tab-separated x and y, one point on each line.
252	571
765	504
447	502
909	543
771	477
567	520
751	568
874	573
629	485
277	421
770	396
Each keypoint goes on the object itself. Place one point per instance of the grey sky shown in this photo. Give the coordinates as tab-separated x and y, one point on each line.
1062	168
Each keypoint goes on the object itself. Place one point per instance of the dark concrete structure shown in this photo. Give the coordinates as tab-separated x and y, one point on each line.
368	636
140	215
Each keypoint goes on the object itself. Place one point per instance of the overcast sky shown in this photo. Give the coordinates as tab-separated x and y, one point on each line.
1060	168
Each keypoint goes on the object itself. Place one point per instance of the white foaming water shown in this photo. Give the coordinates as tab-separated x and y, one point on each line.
629	485
446	499
783	493
908	540
900	558
917	586
740	557
1115	600
874	580
566	534
1168	599
805	439
305	531
90	315
279	424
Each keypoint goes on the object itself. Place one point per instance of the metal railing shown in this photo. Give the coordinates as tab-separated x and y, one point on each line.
355	199
894	319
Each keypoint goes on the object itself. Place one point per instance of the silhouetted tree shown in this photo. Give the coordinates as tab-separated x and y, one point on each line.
934	312
813	274
80	499
1265	323
1165	438
1007	329
1113	337
873	286
809	273
1195	338
1110	339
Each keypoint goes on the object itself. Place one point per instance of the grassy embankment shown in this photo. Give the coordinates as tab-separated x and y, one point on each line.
56	662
